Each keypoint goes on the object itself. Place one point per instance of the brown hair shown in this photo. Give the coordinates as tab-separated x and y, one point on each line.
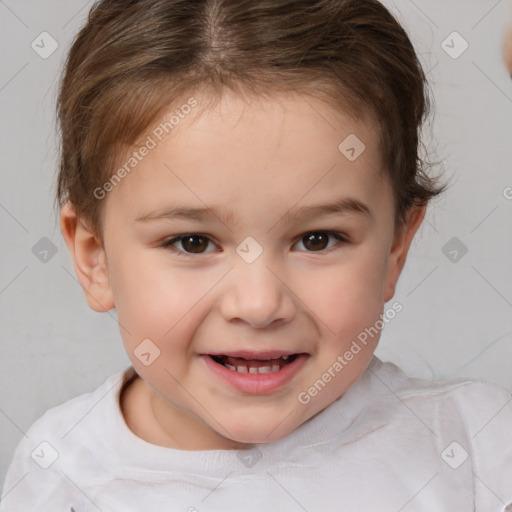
135	58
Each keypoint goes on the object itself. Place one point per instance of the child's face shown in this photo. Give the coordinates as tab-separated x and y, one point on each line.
257	165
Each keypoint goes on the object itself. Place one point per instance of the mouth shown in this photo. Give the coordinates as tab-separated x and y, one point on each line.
255	365
256	373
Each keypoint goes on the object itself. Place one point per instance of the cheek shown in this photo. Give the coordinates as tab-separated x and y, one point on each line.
154	300
347	299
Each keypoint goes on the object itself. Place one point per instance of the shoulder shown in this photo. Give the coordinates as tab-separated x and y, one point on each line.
58	422
471	419
476	402
465	391
42	458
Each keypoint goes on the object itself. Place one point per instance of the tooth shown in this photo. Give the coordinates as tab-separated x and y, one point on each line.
244	369
285	357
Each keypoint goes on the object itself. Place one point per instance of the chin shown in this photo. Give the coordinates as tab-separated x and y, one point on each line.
261	435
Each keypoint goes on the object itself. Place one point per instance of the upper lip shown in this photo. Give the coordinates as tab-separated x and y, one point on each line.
249	354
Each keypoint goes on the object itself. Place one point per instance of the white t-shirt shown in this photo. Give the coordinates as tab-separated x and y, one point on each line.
390	443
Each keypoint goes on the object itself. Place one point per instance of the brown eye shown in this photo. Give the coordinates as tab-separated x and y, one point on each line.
316	241
190	244
319	240
194	243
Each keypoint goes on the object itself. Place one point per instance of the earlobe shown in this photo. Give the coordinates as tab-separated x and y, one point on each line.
400	248
89	260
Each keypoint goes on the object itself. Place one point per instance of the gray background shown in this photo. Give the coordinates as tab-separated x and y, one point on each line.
457	315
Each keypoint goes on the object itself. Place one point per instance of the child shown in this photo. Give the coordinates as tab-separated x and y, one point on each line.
241	182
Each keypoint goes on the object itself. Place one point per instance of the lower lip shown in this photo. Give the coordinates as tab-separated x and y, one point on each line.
257	383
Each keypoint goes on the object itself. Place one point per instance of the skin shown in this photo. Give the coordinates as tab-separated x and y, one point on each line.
259	158
507	48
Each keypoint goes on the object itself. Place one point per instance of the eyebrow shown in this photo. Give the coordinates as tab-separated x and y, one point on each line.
343	206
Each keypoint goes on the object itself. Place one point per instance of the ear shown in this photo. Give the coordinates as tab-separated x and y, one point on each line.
89	260
398	253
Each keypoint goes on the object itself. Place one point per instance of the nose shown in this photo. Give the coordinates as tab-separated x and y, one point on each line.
256	295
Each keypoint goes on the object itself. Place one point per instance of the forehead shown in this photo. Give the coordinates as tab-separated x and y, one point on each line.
285	149
277	120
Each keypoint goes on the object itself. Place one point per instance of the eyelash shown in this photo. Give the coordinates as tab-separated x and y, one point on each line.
169	244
